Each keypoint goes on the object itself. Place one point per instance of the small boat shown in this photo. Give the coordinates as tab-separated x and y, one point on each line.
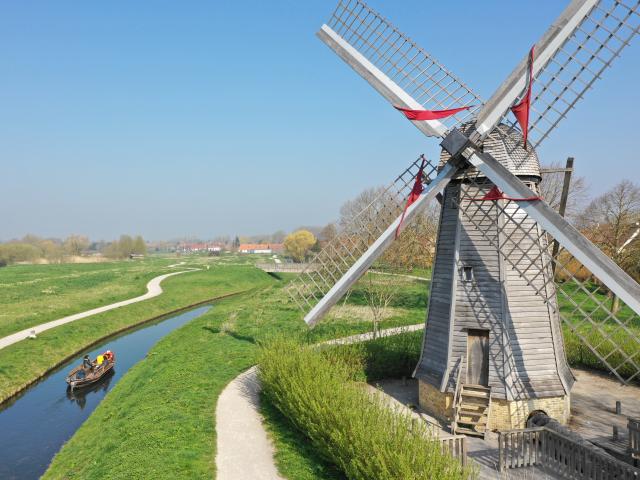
91	371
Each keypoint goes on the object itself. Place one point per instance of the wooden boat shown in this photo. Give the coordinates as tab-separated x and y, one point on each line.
84	375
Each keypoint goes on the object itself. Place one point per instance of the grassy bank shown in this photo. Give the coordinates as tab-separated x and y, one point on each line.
160	418
318	391
25	361
34	294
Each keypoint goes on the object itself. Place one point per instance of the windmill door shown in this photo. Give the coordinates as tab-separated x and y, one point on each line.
478	357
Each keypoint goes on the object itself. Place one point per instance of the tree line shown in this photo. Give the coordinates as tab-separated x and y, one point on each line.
32	248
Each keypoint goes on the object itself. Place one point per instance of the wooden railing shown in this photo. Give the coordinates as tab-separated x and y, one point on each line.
519	448
559	454
456	399
273	267
456	446
634	438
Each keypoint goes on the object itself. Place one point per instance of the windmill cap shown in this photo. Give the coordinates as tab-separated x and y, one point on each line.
504	144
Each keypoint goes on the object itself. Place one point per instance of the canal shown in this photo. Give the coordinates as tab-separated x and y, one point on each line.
35	425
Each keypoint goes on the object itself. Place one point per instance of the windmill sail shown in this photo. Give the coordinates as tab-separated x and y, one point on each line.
400	70
579	46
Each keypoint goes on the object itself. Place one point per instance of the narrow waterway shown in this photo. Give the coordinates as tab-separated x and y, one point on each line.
34	426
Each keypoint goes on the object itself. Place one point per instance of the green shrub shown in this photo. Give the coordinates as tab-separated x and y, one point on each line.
394	356
579	355
315	389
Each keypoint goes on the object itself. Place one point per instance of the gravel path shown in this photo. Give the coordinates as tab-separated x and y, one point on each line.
244	450
153	290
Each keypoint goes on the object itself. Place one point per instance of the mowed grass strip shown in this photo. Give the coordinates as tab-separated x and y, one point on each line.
25	361
35	294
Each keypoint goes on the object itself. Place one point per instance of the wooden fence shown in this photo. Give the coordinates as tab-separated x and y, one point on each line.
634	438
272	267
456	446
559	454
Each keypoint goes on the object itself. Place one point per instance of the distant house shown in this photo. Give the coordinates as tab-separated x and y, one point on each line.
199	247
260	248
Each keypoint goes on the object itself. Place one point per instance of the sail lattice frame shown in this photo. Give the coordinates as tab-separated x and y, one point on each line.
581	60
403	61
581	300
353	239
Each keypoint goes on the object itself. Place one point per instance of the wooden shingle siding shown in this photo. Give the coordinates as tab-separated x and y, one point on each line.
433	362
526	355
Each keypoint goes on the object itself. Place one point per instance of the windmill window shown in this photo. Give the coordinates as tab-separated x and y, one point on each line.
467	273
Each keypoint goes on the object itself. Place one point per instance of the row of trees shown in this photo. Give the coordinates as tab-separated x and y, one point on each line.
32	248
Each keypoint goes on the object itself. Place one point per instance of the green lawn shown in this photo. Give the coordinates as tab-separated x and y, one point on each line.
160	418
24	361
35	294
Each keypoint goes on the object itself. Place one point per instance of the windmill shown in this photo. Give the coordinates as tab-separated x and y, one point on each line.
501	288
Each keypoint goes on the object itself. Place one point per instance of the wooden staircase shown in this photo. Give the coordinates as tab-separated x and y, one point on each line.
471	409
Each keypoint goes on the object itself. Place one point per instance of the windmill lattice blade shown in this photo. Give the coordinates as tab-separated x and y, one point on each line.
573	66
402	62
575	294
354	239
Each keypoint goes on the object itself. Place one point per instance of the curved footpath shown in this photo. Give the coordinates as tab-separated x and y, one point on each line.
153	290
244	449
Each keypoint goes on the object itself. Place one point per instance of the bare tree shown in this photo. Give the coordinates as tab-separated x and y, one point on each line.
75	244
551	190
379	291
610	220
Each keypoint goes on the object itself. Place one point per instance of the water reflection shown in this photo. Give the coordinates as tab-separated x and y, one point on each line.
79	395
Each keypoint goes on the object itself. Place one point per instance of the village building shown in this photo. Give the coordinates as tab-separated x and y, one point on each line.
261	248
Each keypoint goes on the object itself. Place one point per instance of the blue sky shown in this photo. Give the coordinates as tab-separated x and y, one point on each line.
173	118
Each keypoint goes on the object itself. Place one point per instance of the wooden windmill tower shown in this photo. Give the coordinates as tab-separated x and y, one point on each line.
499	292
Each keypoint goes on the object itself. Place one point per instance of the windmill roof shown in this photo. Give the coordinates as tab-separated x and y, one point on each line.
504	144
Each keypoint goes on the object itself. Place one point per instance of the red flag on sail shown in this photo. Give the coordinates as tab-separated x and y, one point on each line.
496	194
429	114
416	191
521	109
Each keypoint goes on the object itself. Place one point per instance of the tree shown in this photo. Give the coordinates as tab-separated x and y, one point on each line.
610	220
51	250
365	217
380	290
139	246
75	244
236	242
328	232
299	243
551	190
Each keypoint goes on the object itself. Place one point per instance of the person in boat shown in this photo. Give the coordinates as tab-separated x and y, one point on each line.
86	362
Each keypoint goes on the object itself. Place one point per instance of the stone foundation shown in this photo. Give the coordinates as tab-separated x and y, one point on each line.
504	414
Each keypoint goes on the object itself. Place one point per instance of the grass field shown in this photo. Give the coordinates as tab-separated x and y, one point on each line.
34	294
158	428
24	361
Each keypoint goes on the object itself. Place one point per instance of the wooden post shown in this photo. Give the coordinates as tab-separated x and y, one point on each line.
618	407
562	208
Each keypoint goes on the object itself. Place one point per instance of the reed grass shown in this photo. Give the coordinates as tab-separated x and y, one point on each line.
317	390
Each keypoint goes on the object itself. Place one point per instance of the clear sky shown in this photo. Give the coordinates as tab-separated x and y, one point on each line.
171	118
